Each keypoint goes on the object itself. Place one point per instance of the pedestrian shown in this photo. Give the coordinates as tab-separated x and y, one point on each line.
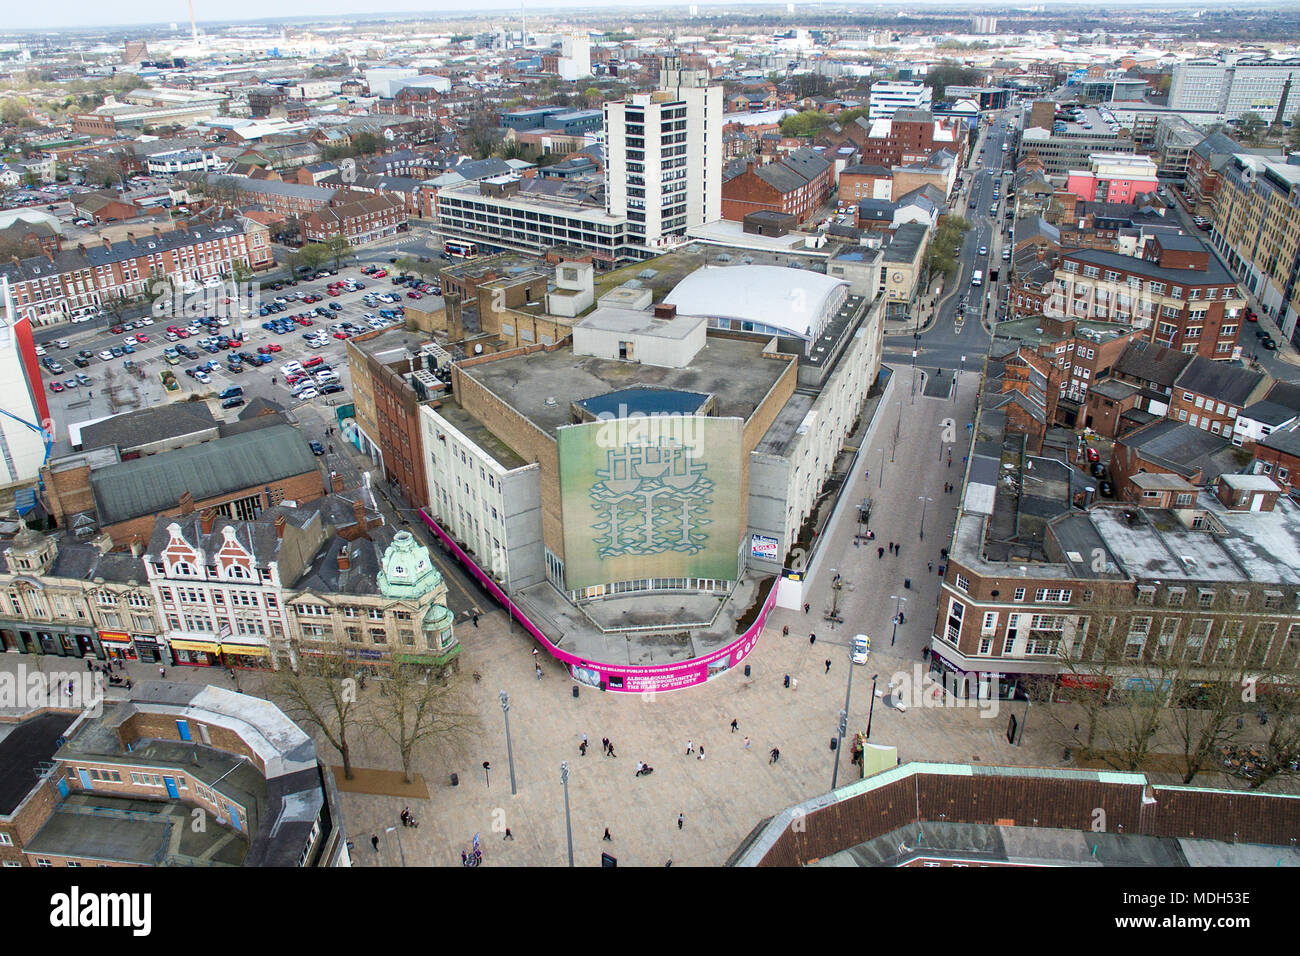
607	837
476	620
929	566
701	757
806	607
746	743
611	751
90	664
534	654
680	820
464	857
604	745
582	749
773	755
331	448
91	393
374	841
690	748
794	683
787	680
509	835
584	739
162	671
538	668
812	639
828	665
880	552
733	725
785	631
898	550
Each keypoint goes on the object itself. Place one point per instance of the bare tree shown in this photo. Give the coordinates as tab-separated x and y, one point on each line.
417	703
322	692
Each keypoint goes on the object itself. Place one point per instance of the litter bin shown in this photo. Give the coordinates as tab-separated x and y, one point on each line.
746	670
575	690
455	780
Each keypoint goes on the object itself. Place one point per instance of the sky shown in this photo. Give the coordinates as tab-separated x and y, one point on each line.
80	13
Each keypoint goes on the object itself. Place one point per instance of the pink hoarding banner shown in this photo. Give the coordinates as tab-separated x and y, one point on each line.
625	678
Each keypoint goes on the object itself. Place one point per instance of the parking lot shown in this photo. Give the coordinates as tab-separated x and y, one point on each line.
110	386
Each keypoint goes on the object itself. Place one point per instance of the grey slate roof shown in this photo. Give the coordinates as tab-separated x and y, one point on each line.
1286	440
157	423
364	557
1152	363
1219	380
1215	274
1269	413
153	484
1183	449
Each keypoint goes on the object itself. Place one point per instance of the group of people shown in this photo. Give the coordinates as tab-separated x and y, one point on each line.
407	818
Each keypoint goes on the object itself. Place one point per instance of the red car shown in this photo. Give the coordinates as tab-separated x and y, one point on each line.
294	379
380	273
117	330
141	338
313	362
1093	454
173	329
56	386
332	292
182	333
340	335
414	295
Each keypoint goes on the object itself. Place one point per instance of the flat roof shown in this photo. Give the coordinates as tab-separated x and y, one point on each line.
777	296
734	371
634	322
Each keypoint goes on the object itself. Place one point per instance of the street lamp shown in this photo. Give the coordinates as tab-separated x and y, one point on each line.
871	712
510	752
899	601
840	731
400	851
487	771
924	504
568	823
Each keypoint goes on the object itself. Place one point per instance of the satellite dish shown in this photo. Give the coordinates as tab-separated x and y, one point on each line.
478	350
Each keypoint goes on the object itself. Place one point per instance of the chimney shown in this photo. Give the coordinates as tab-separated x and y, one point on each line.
157	232
336	482
186	503
280	522
665	311
359	511
137	545
107	245
207	519
344	561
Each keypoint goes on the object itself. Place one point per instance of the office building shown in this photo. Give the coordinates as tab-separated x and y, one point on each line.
1236	84
890	96
664	157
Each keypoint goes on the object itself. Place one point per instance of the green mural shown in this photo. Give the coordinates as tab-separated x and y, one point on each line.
642	503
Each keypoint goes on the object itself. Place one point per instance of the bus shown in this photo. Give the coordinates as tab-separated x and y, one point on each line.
977	278
459	249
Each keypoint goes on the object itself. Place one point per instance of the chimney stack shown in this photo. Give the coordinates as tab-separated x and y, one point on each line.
280	522
336	482
207	519
344	561
137	545
108	245
359	511
186	503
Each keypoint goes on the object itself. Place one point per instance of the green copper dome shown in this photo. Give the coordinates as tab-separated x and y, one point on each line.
406	570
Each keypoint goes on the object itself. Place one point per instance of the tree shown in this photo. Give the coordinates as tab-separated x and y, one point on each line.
417	703
806	123
322	692
13	109
1252	126
337	248
939	78
312	255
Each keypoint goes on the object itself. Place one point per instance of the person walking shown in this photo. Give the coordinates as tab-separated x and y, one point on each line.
476	620
929	566
787	681
607	837
898	550
162	672
509	835
582	749
828	665
374	841
785	631
733	724
812	639
690	748
746	743
611	751
773	755
806	607
534	654
604	745
538	668
701	757
681	819
880	552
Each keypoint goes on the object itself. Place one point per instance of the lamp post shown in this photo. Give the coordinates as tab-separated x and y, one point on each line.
899	601
872	711
924	503
400	851
1020	737
510	751
840	731
568	823
487	773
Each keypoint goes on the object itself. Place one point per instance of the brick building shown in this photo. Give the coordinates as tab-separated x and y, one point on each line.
797	185
359	217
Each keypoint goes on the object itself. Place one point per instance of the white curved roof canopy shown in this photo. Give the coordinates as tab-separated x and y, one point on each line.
793	300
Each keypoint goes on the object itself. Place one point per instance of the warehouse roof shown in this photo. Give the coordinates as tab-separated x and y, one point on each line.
792	300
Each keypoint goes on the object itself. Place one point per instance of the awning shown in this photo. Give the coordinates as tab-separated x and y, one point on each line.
114	637
196	646
249	650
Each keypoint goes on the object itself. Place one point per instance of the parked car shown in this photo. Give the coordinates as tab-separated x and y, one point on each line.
861	648
316	447
330	388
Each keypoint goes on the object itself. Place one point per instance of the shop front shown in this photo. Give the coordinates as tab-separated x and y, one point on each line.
60	642
147	649
246	656
977	685
117	646
196	653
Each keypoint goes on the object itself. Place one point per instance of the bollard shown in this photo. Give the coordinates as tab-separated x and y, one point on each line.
575	690
455	780
746	670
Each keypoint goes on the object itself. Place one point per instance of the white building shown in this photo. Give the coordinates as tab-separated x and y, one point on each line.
22	421
384	81
664	157
183	161
890	96
1235	85
575	57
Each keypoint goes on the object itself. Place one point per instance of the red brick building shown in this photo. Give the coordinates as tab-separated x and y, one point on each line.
798	185
360	217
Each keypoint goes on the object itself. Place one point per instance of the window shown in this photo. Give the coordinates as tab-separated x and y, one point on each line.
956	610
1020	594
6	840
1176	595
1146	594
963	583
990	622
1197	635
1053	595
1168	634
1138	629
1205	597
986	644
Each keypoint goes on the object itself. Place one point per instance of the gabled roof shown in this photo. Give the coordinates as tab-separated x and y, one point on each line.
1219	380
1183	449
1152	363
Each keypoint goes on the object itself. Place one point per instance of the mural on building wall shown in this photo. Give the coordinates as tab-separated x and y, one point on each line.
650	502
